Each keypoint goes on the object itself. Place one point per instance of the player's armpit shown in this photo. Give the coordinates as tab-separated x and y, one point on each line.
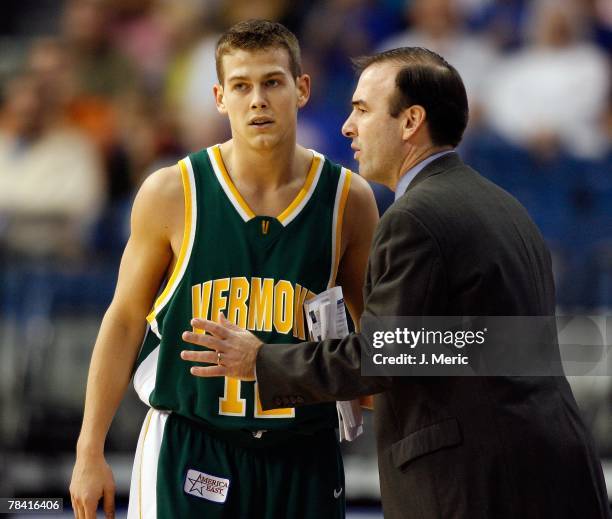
360	220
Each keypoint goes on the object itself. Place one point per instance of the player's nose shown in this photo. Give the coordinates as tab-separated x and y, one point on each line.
259	99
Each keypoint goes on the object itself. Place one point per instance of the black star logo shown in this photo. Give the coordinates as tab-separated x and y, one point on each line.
195	483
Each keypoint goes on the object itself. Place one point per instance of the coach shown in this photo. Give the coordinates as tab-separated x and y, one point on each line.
453	243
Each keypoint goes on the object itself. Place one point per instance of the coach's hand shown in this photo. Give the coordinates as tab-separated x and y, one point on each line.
92	479
234	350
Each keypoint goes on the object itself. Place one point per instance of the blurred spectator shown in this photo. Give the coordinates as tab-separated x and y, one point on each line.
200	122
182	24
50	180
439	26
190	76
49	60
101	73
103	78
101	69
499	19
337	30
333	32
553	93
148	135
138	32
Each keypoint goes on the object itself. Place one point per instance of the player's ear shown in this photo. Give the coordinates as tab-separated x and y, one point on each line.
302	84
218	91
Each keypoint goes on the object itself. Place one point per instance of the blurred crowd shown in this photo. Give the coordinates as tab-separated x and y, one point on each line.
97	94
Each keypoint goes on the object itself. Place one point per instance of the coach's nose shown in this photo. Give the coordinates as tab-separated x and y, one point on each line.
349	129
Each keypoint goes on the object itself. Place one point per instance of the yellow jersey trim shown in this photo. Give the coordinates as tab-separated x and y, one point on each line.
185	245
338	220
240	204
228	181
307	189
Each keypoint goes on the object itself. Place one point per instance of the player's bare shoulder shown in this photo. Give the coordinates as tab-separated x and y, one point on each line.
360	193
361	213
160	204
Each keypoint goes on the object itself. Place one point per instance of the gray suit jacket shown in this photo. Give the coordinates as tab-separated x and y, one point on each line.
472	447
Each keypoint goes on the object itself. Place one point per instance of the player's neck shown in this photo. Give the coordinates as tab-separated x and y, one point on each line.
264	169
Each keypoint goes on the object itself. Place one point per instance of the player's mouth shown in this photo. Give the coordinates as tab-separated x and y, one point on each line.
261	122
357	152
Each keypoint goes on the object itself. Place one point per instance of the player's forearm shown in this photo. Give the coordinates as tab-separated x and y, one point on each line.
109	374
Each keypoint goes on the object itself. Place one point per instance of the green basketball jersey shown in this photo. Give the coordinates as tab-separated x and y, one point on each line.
258	271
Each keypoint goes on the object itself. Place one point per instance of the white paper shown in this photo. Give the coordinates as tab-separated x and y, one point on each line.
326	319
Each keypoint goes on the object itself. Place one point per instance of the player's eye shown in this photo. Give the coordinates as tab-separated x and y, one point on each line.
272	82
240	87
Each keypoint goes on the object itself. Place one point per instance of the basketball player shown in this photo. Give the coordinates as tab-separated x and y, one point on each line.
250	229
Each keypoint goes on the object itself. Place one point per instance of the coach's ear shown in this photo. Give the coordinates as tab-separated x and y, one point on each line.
302	84
413	120
218	91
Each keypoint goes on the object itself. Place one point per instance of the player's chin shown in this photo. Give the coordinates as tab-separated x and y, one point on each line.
264	141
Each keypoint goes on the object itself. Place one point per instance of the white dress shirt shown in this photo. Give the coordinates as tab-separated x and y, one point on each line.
407	177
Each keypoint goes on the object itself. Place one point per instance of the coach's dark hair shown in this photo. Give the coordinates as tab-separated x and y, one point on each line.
426	79
253	35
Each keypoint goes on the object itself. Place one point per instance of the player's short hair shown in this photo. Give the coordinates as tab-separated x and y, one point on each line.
426	79
254	35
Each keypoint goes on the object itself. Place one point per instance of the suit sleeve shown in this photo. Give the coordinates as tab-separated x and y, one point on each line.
404	277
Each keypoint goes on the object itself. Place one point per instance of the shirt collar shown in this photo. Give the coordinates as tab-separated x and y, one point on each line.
408	177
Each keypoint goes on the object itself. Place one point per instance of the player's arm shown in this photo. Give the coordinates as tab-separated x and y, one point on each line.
158	210
360	219
359	222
